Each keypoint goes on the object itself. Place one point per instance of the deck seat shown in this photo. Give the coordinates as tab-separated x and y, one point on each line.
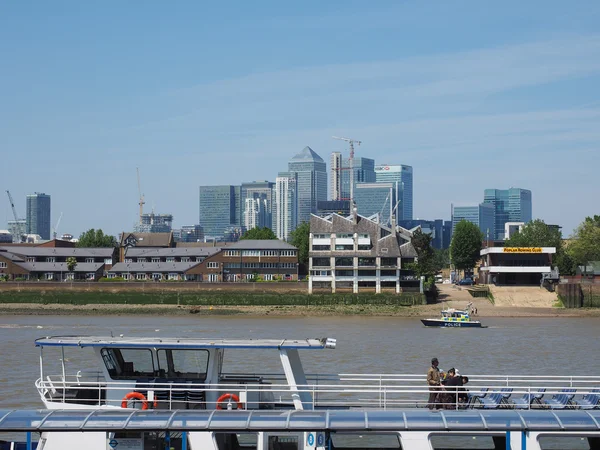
529	399
562	400
475	396
496	399
589	401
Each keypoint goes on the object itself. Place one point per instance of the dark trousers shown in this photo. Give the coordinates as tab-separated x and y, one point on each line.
433	393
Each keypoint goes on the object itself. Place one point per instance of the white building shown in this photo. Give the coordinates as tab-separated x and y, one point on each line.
286	204
255	213
511	228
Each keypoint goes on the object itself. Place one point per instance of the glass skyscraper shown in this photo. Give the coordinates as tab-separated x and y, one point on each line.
510	205
38	215
285	207
257	202
481	215
404	176
220	209
364	172
311	179
376	198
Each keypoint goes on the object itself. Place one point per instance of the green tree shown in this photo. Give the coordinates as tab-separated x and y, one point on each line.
466	245
299	238
71	264
442	259
262	234
426	263
585	246
96	238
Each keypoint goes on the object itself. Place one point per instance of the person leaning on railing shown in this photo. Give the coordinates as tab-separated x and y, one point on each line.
433	380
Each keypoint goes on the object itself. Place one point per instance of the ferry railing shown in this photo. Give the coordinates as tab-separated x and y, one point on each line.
376	395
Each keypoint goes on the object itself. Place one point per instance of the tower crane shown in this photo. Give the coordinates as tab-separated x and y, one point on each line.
142	202
55	232
351	161
18	230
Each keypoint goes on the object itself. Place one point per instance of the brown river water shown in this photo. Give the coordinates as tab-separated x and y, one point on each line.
525	346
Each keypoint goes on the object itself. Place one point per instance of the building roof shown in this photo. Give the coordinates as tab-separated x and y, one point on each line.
149	239
307	154
258	244
10	255
137	252
25	250
59	267
148	267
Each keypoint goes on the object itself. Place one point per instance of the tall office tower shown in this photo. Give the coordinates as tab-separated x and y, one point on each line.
38	215
404	176
286	204
220	209
155	223
364	172
511	205
482	215
311	176
258	190
376	198
190	233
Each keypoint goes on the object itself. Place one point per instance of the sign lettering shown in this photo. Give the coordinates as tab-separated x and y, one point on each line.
522	250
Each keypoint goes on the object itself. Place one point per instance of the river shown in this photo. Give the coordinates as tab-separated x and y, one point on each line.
550	346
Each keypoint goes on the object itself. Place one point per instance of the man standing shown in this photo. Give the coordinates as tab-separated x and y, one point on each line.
433	380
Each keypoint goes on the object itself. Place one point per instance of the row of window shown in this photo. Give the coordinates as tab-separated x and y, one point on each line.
341	236
342	248
260	265
168	259
52	259
260	253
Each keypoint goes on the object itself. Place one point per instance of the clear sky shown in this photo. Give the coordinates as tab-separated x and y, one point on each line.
472	94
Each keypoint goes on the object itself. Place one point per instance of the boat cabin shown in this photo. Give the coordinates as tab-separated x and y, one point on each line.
455	315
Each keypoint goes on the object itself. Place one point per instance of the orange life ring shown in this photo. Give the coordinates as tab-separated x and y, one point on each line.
234	398
135	396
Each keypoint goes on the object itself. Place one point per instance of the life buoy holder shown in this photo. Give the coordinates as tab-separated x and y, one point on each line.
136	396
226	397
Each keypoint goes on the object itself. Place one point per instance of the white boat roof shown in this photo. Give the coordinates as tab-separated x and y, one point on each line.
188	343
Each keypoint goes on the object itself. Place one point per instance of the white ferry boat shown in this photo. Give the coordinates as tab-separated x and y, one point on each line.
151	393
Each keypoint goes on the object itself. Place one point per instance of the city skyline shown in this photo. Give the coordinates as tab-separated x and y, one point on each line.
470	94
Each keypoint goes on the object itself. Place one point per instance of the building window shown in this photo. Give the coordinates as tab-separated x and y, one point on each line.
128	260
185	259
50	259
321	262
344	236
199	259
89	260
212	265
31	259
155	260
108	261
249	276
142	260
173	276
251	253
321	248
321	236
140	276
170	259
268	277
112	275
157	276
91	276
232	253
49	276
2	265
213	277
344	247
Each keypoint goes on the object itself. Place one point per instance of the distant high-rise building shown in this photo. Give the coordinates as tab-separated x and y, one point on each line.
376	198
155	223
190	233
311	178
286	204
402	174
220	209
259	211
341	207
439	229
511	205
481	215
17	229
364	172
38	215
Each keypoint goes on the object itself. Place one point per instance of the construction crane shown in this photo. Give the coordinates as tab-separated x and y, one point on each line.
142	202
18	222
55	231
351	161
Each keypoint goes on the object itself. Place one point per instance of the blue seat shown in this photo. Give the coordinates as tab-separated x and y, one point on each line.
474	396
496	399
589	401
562	400
527	400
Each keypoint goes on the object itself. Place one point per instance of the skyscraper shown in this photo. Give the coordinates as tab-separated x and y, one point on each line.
510	205
311	178
220	209
259	211
386	173
38	215
376	198
481	215
364	172
285	207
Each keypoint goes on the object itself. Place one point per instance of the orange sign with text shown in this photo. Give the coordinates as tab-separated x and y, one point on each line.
522	250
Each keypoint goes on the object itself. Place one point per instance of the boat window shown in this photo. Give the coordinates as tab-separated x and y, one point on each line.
149	439
364	441
283	443
128	363
236	441
564	442
465	441
188	364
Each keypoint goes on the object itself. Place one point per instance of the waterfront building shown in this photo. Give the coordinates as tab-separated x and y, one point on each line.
152	240
364	172
517	265
481	215
38	215
220	209
377	199
311	181
286	204
154	223
341	207
511	205
359	254
403	175
257	202
439	229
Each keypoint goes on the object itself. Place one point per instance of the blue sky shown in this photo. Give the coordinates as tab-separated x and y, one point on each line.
472	94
